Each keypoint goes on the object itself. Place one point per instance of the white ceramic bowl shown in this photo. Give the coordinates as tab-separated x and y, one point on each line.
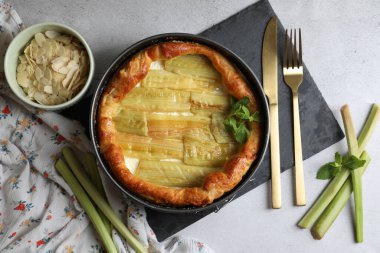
16	48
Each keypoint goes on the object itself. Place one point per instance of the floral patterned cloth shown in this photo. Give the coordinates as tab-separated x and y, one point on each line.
38	212
10	25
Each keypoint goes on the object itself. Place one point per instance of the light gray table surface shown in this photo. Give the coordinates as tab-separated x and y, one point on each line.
341	43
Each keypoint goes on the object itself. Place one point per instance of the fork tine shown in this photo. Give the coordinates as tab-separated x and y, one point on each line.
285	60
300	48
290	58
295	63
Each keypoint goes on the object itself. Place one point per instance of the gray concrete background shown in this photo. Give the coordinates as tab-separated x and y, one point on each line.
341	42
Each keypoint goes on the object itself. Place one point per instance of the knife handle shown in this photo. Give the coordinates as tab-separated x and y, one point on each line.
275	156
299	177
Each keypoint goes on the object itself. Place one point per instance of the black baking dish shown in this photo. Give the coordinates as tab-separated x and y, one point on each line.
252	80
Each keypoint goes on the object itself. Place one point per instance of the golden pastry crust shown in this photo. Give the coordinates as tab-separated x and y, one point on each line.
216	183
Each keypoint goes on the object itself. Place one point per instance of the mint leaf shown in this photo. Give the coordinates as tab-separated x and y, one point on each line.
351	162
327	171
243	113
336	165
238	118
241	134
230	124
236	105
255	117
338	158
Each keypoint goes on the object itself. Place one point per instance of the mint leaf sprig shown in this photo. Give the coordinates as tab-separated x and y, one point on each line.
238	118
329	170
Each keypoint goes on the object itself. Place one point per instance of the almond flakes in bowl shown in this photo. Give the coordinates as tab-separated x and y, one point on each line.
53	68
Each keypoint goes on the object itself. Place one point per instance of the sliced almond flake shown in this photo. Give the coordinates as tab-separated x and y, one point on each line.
27	52
39	60
64	70
45	61
52	34
71	64
55	47
22	59
38	73
64	39
23	80
57	77
30	70
54	99
83	58
30	60
76	56
31	91
33	43
58	100
40	87
49	51
68	52
40	39
77	78
61	58
69	76
47	74
79	84
45	81
21	67
59	63
33	53
45	45
73	80
48	89
63	93
40	97
61	50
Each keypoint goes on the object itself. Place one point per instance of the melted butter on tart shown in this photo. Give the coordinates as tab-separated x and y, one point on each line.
167	131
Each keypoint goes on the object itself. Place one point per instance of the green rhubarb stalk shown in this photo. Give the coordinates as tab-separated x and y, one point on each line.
93	172
336	183
324	199
369	126
88	207
337	204
100	201
334	208
356	176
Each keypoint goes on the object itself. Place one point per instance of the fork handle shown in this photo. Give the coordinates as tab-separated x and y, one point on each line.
299	177
275	157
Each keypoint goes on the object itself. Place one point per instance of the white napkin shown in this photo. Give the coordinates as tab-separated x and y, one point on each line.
38	212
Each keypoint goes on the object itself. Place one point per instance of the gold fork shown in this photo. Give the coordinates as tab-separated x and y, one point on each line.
293	76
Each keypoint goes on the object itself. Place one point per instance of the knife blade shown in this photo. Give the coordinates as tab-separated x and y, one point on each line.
270	84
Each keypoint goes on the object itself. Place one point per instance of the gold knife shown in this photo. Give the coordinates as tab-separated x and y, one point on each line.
270	78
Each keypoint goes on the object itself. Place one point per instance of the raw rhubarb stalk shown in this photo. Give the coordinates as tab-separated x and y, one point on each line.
336	183
335	207
101	202
88	207
356	176
369	126
92	169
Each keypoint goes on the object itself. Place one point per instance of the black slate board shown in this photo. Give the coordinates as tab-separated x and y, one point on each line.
243	34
